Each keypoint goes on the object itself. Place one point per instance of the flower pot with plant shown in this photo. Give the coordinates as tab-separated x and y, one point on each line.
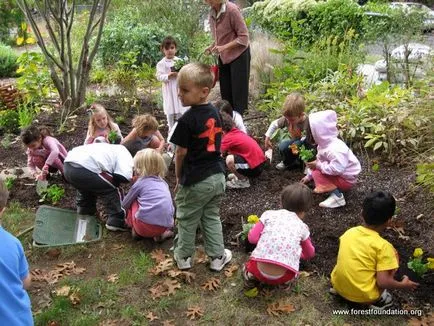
306	155
179	63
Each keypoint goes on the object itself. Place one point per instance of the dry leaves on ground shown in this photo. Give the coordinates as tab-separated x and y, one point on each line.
159	255
187	277
276	308
211	284
112	278
164	288
427	320
200	257
194	312
163	266
63	291
151	317
170	322
53	276
229	271
75	298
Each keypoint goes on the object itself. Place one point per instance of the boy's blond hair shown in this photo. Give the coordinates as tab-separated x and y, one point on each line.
145	122
148	162
4	195
294	105
198	73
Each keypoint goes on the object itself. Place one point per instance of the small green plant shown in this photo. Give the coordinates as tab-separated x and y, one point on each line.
26	115
9	121
425	175
417	265
120	119
251	221
113	137
179	63
307	155
280	134
8	61
53	194
9	182
6	141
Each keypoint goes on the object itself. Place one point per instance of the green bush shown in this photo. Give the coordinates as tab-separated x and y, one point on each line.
9	122
8	61
10	17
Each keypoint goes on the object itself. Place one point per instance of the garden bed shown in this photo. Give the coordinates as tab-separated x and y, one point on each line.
326	225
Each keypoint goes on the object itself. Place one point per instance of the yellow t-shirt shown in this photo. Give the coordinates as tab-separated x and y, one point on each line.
362	253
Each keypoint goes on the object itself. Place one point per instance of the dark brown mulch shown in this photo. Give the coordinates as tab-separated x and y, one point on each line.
326	225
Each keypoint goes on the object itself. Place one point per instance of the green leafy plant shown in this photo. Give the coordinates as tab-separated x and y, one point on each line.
305	154
417	265
251	221
9	182
280	134
8	61
179	63
53	194
9	121
425	175
113	136
6	141
26	115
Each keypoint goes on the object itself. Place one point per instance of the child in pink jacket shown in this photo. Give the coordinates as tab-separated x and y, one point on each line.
45	154
336	167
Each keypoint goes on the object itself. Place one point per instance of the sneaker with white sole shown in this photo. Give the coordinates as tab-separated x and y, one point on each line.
281	166
384	302
238	183
218	263
232	176
183	263
333	201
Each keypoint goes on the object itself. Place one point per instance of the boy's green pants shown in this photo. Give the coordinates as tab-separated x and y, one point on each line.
200	204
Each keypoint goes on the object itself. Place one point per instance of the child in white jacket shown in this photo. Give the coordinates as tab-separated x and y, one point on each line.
336	167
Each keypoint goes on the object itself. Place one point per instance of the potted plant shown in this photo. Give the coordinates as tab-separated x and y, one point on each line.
113	137
306	155
179	63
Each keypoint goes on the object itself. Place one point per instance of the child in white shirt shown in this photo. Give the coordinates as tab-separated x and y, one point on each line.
225	106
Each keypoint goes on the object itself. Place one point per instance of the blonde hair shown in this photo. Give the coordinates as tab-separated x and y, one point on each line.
294	105
145	122
149	162
198	73
97	108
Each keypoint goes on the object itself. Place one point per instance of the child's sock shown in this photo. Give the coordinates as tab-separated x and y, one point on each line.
337	192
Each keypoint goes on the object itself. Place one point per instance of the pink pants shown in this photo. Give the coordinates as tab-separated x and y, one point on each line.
142	229
327	183
39	162
252	268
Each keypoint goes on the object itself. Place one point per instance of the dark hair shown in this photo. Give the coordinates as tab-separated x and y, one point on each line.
133	146
4	194
167	42
33	133
227	122
378	207
296	198
224	106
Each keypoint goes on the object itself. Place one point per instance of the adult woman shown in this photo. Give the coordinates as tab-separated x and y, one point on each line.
231	43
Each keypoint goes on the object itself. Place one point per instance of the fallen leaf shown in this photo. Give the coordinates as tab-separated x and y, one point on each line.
212	284
74	298
164	288
37	275
162	267
158	255
229	271
276	308
174	273
303	274
201	257
53	253
118	246
267	293
151	317
171	286
63	291
170	322
188	277
194	312
112	278
251	293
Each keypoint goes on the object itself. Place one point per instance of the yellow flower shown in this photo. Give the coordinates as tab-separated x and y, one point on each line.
430	263
417	252
252	219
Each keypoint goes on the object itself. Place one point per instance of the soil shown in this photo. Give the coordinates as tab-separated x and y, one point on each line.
326	225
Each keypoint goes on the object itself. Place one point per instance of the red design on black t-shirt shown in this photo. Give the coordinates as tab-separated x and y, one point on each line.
211	131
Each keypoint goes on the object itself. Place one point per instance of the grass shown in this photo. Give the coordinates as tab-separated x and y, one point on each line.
128	300
16	219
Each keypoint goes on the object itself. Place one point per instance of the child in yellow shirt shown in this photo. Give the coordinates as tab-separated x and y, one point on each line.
366	262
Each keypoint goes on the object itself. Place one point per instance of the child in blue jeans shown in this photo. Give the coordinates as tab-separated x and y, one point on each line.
14	276
199	169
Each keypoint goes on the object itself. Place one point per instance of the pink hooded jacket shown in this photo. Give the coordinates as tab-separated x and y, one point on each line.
333	157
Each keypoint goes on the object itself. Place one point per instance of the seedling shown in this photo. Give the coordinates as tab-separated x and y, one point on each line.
306	155
251	221
53	194
113	137
417	265
179	64
9	182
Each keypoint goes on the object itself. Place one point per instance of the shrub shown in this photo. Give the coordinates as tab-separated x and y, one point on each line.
8	61
9	121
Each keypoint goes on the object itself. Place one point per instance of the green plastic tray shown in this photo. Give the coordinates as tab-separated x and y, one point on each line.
61	227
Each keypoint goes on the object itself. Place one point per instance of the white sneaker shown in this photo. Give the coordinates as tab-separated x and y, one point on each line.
385	301
333	201
183	263
281	166
238	183
217	264
232	176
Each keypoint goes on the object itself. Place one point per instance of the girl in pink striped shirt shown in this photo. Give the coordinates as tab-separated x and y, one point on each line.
282	240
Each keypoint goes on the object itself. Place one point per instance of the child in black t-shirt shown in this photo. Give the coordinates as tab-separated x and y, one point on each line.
200	180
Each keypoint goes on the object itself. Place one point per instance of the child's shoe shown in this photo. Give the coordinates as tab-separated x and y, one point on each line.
116	225
218	263
250	281
384	302
183	263
333	201
238	183
232	176
281	166
165	235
